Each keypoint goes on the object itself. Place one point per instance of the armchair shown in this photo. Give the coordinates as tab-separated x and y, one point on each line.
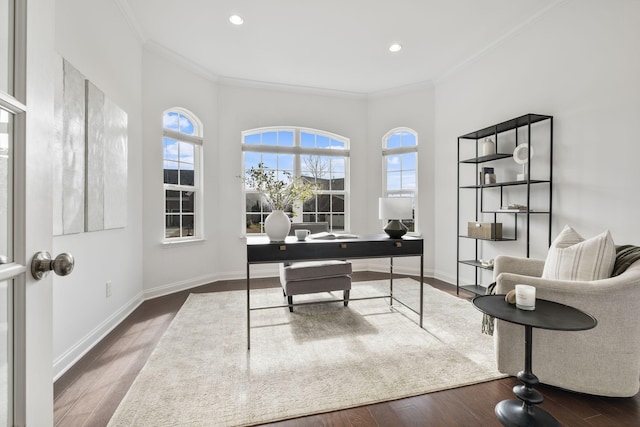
314	276
602	361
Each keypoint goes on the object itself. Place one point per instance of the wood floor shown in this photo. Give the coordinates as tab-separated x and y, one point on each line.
89	393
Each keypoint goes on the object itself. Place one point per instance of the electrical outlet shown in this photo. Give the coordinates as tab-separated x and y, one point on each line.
108	289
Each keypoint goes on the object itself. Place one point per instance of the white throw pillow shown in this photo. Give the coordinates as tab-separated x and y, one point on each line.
571	257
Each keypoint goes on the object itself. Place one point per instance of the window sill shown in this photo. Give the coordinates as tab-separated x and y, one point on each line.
185	242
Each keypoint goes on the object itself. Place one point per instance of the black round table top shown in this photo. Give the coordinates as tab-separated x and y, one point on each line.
547	315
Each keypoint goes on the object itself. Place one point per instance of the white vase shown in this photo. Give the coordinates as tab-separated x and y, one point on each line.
277	226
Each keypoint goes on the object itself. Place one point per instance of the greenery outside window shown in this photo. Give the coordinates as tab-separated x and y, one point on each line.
400	168
315	156
182	155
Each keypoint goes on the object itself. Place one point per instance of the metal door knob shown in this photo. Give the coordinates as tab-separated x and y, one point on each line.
42	263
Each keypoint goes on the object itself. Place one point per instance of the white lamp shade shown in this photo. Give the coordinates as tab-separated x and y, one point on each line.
395	208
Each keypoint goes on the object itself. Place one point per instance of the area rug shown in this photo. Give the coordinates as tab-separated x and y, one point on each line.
319	358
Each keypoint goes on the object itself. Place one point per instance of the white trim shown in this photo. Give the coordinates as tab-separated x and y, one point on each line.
62	363
180	60
282	87
130	17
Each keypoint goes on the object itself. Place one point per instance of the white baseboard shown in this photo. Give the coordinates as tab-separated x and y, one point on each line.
65	361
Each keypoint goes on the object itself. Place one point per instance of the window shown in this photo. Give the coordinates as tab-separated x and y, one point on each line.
182	152
400	167
316	156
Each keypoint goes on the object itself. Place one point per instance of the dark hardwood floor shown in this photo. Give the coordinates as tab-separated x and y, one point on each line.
89	393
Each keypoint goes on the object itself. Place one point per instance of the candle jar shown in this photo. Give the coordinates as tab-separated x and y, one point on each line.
525	297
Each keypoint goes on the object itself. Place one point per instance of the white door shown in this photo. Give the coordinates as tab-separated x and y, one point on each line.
26	123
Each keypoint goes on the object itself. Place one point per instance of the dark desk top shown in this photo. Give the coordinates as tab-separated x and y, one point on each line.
547	315
261	250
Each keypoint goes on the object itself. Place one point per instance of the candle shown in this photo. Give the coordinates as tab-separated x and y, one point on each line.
525	297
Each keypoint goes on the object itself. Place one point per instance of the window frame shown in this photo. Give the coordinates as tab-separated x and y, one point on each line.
386	152
197	141
297	151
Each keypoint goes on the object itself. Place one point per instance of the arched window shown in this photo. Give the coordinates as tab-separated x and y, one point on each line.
315	156
182	157
400	168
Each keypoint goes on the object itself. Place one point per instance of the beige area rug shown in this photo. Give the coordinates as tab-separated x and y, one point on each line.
319	358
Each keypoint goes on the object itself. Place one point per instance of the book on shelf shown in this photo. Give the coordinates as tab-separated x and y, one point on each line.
513	208
332	236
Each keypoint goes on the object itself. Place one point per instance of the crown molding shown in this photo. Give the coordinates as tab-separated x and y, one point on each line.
281	87
400	90
180	60
130	17
491	46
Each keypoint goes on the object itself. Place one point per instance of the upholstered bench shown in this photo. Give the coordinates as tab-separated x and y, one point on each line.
310	277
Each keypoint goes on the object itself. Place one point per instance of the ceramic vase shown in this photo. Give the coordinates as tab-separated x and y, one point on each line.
277	226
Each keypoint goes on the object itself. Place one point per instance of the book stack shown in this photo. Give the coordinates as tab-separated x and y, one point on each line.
487	176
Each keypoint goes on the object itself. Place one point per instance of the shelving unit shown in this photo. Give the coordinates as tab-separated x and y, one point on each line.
533	129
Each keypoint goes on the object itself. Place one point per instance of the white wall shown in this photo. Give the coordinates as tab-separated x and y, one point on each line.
411	107
579	63
95	38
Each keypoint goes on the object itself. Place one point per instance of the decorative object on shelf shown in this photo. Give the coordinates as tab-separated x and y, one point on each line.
278	195
301	233
510	298
485	230
395	209
521	156
488	147
526	297
486	262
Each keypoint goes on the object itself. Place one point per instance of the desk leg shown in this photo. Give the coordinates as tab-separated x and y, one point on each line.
523	412
391	281
421	287
248	311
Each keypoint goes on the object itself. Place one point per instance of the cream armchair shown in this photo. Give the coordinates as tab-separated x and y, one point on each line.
603	361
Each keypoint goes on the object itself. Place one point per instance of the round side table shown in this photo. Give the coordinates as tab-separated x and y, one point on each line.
547	315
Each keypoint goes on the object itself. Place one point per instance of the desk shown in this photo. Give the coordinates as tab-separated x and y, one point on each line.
547	315
260	251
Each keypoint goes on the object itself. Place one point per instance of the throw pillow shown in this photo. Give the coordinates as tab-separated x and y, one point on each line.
571	257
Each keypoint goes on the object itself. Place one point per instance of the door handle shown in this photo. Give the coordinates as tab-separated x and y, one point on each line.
41	264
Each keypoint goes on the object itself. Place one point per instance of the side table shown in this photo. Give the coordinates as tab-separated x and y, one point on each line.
547	315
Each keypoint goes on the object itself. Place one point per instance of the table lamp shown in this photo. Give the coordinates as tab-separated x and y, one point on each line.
395	209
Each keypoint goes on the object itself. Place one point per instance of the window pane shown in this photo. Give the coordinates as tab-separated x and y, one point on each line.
186	174
270	160
252	139
393	181
337	144
186	152
285	162
324	203
170	121
188	201
307	139
393	141
285	139
6	184
269	138
309	217
188	228
254	223
408	180
170	172
172	201
309	205
337	181
408	139
172	226
337	203
409	161
393	163
252	202
337	164
6	47
170	149
337	222
322	141
186	126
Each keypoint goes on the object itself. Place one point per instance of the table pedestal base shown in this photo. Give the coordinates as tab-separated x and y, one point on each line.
515	413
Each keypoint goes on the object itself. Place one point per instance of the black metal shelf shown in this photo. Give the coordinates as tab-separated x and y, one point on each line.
476	263
504	145
507	184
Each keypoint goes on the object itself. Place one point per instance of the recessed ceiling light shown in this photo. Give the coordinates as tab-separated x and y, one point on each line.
236	19
396	47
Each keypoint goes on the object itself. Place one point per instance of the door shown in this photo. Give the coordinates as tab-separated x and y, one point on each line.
26	123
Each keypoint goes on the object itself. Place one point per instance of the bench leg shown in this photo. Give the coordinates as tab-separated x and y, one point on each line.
346	297
290	302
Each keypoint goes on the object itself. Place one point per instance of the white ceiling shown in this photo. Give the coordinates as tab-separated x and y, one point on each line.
330	44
